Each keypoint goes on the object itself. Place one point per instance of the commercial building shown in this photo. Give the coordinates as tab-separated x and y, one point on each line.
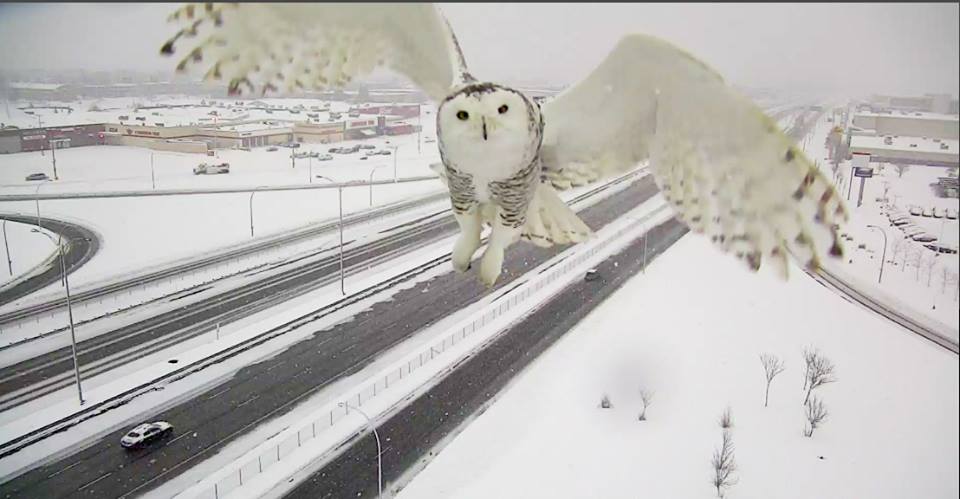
902	123
907	150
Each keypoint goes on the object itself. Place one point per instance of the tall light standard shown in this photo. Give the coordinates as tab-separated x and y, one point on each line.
340	199
370	182
40	126
376	435
310	163
884	256
7	247
36	196
53	156
395	148
73	336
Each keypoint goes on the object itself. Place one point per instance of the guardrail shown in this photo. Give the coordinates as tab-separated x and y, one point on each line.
291	439
222	190
22	441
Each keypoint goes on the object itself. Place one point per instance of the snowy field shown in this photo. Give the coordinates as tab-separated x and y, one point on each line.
891	432
144	232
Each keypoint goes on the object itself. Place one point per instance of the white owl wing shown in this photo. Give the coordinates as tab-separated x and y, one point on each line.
725	167
292	46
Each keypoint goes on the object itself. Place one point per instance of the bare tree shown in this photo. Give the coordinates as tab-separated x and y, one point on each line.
726	419
816	414
772	366
646	397
901	169
724	466
605	402
820	371
808	355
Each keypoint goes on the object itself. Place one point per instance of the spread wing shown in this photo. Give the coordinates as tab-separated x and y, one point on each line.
725	167
257	47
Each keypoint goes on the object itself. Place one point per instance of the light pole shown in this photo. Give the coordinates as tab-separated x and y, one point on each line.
310	163
251	211
36	196
376	435
73	336
884	256
40	126
7	247
53	157
370	182
153	176
395	148
340	200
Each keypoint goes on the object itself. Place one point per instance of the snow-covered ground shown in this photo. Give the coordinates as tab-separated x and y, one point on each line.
27	250
933	291
144	232
892	429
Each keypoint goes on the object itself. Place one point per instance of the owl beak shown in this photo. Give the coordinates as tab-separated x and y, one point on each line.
484	121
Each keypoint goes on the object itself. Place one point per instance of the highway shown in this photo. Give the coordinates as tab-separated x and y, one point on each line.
195	264
410	436
43	374
268	389
85	244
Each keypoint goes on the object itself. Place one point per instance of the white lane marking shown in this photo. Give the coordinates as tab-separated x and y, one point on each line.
95	481
65	469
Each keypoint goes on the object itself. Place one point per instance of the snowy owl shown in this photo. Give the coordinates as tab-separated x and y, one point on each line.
724	166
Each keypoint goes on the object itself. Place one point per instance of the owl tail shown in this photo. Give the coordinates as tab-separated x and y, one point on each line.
550	221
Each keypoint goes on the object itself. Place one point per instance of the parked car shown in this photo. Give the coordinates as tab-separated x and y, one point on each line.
272	148
367	146
208	169
916	211
912	230
951	214
937	212
146	433
325	157
927	212
591	275
898	223
924	238
37	176
940	248
365	157
383	152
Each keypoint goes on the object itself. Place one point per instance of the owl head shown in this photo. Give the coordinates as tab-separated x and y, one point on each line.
486	116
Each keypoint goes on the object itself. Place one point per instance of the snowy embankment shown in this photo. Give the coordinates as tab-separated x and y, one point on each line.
31	253
691	330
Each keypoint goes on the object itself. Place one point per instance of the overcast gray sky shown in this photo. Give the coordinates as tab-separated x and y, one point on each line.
861	48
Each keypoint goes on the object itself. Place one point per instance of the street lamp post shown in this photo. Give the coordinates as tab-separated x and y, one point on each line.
376	435
310	163
395	148
370	182
340	200
251	212
153	176
36	196
73	335
7	248
53	157
884	256
40	126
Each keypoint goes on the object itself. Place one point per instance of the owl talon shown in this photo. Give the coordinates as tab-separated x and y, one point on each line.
491	265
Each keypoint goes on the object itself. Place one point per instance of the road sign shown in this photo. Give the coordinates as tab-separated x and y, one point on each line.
863	172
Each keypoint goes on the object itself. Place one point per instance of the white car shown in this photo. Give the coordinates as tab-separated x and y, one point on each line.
145	433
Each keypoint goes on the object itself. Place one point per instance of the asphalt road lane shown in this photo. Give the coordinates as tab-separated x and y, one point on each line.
409	436
77	254
262	391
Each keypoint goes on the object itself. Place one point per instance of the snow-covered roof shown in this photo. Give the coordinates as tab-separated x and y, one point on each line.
19	85
912	115
903	143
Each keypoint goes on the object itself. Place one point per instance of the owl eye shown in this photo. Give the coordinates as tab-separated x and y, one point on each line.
463	115
502	109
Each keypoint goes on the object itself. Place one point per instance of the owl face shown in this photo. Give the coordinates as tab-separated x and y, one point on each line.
486	116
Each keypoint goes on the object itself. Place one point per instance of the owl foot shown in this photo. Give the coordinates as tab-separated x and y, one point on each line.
490	266
463	251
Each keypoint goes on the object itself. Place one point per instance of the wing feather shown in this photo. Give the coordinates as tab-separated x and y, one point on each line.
725	167
259	47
